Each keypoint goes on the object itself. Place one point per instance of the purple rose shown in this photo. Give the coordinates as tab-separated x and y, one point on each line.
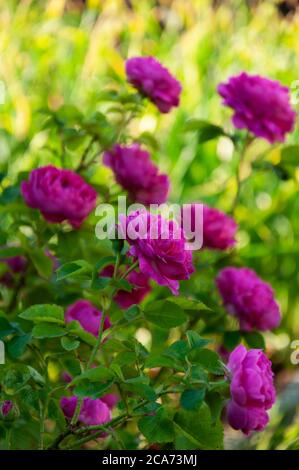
15	265
218	229
260	105
92	412
159	246
252	389
110	400
154	81
59	195
141	288
87	315
6	407
248	298
136	173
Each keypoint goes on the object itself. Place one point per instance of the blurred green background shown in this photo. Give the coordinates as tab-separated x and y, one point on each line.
60	52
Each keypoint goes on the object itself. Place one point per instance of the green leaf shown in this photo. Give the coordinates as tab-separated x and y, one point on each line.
122	284
157	428
100	283
92	389
178	350
192	399
72	269
42	262
71	365
14	377
290	155
93	382
76	329
195	340
55	413
206	130
6	328
125	358
231	339
17	345
132	312
44	313
215	403
208	359
96	374
254	339
164	314
10	251
47	330
143	390
36	376
160	361
195	430
69	344
189	304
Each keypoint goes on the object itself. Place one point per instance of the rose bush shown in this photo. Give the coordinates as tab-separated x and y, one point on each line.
139	341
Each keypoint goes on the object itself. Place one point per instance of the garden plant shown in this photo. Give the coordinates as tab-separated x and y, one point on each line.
142	338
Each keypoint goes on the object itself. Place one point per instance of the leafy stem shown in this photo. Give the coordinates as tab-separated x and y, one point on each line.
83	164
243	147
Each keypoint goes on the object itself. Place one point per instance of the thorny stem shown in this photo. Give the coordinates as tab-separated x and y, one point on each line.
76	415
130	269
116	266
82	164
97	430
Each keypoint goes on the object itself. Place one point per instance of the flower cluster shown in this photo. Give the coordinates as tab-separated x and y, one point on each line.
159	246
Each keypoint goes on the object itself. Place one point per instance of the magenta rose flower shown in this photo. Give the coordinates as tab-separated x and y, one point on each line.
6	407
218	229
141	288
59	195
110	400
249	298
154	81
92	412
252	389
136	173
159	246
260	105
87	315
